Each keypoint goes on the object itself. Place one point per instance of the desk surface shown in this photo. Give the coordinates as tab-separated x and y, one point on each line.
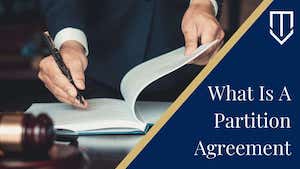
106	151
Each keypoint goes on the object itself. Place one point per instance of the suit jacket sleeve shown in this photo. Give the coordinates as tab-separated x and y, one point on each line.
220	4
61	14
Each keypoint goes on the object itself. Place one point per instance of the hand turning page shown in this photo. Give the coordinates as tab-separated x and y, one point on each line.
144	74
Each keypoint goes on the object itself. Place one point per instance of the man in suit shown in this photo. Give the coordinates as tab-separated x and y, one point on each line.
102	40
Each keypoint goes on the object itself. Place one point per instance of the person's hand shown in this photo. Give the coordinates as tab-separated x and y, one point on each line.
74	57
199	25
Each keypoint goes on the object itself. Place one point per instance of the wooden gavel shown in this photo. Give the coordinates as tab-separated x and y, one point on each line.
25	133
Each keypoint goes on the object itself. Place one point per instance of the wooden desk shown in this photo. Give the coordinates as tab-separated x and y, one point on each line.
104	151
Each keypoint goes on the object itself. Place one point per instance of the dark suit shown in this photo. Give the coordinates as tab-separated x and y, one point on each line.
122	34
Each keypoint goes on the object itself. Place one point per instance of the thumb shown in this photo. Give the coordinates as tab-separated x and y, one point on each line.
77	73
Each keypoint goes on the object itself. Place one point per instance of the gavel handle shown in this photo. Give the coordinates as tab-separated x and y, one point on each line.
65	135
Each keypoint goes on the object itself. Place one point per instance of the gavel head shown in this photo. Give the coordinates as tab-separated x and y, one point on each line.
25	133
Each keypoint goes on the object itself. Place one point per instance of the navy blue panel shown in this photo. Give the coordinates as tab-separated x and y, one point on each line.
257	59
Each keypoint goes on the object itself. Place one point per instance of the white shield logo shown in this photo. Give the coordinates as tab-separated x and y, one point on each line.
282	37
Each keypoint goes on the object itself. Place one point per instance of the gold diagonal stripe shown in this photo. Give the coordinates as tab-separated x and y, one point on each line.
194	84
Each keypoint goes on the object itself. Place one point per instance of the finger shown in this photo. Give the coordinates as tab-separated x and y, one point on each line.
77	73
58	79
191	39
82	106
75	104
51	70
57	92
221	35
61	95
204	58
66	98
208	35
76	66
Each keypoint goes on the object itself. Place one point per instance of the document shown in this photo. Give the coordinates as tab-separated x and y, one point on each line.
117	116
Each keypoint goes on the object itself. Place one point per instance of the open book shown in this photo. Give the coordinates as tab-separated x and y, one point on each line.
115	116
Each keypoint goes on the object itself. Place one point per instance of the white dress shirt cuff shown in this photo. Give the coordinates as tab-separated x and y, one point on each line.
214	4
71	34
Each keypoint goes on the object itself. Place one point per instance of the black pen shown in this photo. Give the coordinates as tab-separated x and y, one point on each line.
60	63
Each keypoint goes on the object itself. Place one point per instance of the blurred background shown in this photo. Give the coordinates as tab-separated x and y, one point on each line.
21	48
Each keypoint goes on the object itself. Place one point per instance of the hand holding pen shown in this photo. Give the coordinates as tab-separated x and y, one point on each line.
63	72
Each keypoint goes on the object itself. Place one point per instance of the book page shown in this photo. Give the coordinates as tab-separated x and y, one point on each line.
144	74
102	113
151	111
